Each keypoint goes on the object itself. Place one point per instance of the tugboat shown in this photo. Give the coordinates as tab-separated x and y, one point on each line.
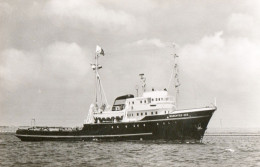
151	116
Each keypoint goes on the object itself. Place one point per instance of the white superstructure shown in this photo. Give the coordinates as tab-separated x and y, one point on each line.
129	108
134	109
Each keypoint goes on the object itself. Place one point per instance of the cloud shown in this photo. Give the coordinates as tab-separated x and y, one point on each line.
134	6
150	42
222	56
221	59
92	12
17	67
233	55
68	61
225	67
5	9
244	24
58	65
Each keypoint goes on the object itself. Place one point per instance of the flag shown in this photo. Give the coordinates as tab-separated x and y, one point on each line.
99	50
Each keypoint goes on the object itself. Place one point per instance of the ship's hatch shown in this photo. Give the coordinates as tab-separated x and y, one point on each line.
119	103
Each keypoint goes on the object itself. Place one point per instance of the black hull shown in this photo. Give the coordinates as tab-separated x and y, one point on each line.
181	127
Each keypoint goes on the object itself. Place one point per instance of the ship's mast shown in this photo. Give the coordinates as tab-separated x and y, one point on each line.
100	93
175	76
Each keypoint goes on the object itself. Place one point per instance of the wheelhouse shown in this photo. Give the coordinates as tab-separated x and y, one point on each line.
119	103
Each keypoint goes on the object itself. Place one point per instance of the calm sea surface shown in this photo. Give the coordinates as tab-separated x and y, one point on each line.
215	151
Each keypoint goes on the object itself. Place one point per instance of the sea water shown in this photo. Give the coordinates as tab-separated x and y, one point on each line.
214	151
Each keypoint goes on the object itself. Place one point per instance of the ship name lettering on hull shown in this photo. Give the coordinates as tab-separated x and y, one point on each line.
178	115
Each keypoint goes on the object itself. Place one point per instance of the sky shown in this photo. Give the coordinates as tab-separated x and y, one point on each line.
46	48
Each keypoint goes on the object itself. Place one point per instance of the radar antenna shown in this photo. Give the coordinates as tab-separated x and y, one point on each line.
143	79
136	88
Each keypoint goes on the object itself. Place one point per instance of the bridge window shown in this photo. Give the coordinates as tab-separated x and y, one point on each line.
133	102
112	127
126	126
146	113
144	124
156	112
144	101
152	99
137	114
151	113
141	113
141	101
137	125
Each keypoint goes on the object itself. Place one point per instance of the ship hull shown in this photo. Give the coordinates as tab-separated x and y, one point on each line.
183	126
